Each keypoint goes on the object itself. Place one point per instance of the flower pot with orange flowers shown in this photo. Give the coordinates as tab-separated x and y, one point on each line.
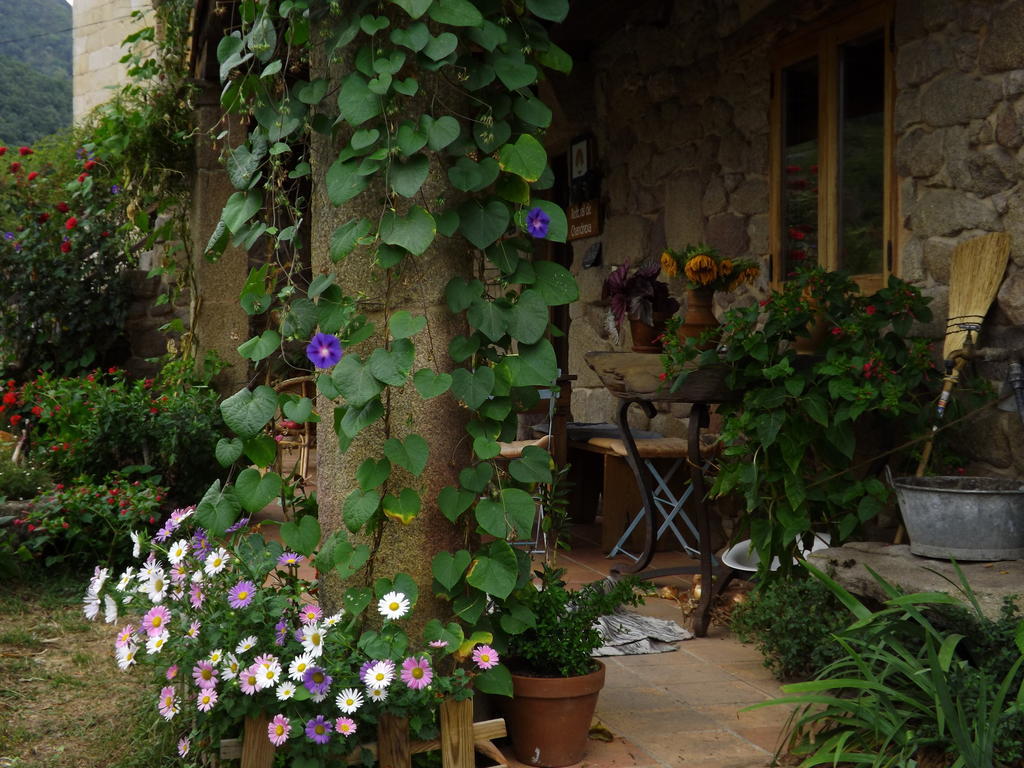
706	272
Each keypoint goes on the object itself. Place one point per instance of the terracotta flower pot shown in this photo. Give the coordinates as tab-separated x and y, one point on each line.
646	337
548	718
700	315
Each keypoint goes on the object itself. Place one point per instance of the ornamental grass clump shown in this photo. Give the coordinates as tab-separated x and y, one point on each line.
229	629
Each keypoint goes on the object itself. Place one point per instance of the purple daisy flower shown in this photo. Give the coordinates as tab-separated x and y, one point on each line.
319	730
241	594
201	544
316	680
324	350
115	189
8	235
537	222
238	526
290	558
280	632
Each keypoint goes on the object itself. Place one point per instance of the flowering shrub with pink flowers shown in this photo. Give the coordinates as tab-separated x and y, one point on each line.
64	261
230	627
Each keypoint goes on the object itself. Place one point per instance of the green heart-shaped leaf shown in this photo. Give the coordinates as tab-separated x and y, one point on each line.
440	132
464	174
370	24
473	387
457	13
528	318
555	283
414	8
355	419
533	467
404	507
461	293
359	507
532	111
299	410
441	46
261	450
380	84
551	10
364	138
448	569
392	366
404	324
483	224
344	181
407	177
495	571
313	93
262	346
410	139
490	137
477	477
415	231
513	71
301	536
486	448
255	491
461	348
355	381
454	501
410	454
525	158
246	412
534	366
389	64
372	473
218	509
491	318
414	37
347	236
356	101
228	451
430	384
407	87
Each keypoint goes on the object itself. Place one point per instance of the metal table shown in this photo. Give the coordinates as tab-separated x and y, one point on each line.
635	379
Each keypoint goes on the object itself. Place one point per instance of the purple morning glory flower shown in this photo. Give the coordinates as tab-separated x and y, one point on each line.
319	730
8	235
537	222
115	189
316	680
324	350
241	594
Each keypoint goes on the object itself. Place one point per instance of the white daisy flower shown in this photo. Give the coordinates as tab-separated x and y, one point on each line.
216	561
148	569
125	581
394	605
268	675
231	667
177	551
349	700
156	642
316	698
91	606
155	588
216	656
377	694
379	675
136	544
109	609
331	621
245	644
126	655
99	578
285	690
313	639
299	666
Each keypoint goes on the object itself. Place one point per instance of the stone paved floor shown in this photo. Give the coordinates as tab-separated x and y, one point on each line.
681	708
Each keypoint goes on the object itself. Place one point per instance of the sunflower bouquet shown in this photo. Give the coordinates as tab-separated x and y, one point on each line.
703	267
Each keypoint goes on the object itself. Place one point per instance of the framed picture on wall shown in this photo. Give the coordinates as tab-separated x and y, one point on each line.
579	158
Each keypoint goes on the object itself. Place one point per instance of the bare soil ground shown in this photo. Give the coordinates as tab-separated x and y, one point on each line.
63	700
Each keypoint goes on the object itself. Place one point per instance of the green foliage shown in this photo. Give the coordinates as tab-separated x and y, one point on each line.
34	105
73	523
792	621
806	433
103	421
924	675
38	35
21	482
64	261
559	635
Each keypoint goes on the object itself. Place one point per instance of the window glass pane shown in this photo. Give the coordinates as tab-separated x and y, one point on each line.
861	154
799	165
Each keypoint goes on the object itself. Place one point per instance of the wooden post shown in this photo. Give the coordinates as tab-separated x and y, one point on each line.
457	734
393	742
257	751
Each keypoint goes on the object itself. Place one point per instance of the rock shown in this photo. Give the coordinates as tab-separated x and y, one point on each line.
750	197
1011	296
919	153
965	52
625	239
937	253
1003	48
733	153
757	231
911	261
684	222
949	211
895	564
1010	124
1013	222
728	233
936	14
714	197
907	110
981	171
909	22
956	98
919	61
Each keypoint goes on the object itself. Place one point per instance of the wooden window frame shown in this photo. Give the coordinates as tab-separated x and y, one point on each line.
824	41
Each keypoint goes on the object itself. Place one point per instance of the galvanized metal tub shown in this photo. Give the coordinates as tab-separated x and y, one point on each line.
966	518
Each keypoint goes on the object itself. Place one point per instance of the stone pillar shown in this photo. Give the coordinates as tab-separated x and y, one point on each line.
417	286
220	323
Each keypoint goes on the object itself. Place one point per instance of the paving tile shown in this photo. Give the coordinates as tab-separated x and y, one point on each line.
618	753
705	749
736	717
648	698
651	727
716	692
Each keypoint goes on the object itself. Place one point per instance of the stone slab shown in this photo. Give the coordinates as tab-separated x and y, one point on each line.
991	582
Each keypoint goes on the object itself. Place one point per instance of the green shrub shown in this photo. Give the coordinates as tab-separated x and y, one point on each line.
792	621
76	523
17	482
105	421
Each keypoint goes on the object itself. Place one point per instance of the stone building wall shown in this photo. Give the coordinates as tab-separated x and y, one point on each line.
678	100
100	26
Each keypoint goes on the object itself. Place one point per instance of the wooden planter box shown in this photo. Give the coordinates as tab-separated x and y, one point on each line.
460	739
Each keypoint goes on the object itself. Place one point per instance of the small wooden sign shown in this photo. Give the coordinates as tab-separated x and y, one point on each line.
584	220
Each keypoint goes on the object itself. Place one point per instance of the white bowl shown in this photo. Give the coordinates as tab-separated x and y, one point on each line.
743	556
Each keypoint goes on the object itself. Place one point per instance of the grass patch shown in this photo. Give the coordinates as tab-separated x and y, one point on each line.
63	701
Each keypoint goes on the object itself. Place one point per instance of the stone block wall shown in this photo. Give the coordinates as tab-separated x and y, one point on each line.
100	26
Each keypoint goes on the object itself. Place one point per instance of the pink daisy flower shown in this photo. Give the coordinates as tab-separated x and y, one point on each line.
207	698
168	705
241	594
310	614
183	746
438	643
125	636
172	672
204	674
485	657
156	619
416	672
196	595
249	680
346	726
278	730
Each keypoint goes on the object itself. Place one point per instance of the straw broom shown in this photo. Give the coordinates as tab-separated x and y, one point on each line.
975	275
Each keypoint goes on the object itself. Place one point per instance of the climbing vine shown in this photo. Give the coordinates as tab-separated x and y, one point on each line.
412	90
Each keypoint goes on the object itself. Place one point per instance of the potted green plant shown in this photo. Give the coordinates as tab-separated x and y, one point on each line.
555	681
644	299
